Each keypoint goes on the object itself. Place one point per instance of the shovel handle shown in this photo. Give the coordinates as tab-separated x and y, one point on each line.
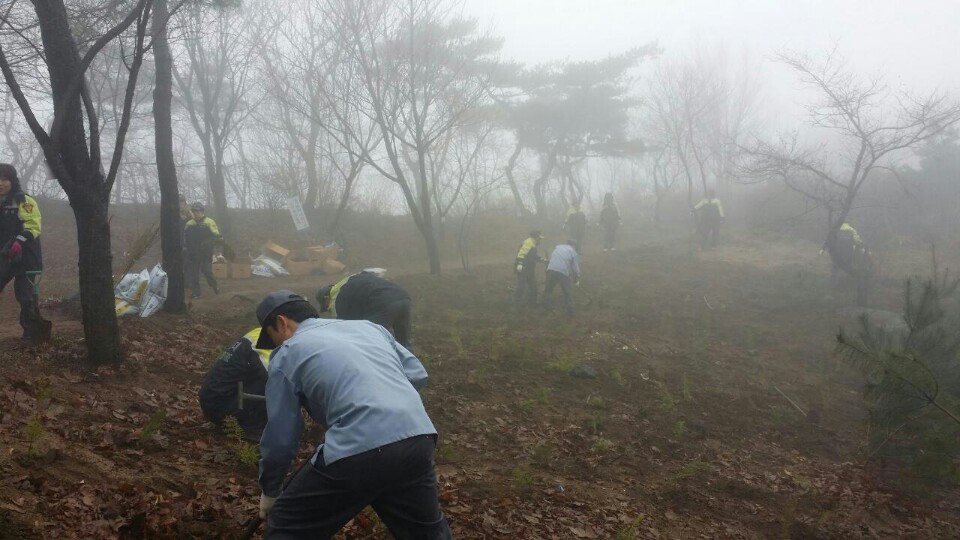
251	528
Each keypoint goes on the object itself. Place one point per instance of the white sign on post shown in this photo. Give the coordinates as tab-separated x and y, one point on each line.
297	213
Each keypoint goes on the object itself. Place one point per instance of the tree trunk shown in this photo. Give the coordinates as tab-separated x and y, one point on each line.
539	185
656	210
310	160
427	230
100	327
171	233
517	198
81	175
213	161
344	200
433	249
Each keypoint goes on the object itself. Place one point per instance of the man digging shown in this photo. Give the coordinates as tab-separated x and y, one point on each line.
357	381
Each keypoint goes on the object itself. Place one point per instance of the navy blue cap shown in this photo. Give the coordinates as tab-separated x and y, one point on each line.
268	305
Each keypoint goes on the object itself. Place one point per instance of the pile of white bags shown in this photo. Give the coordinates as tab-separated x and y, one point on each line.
142	293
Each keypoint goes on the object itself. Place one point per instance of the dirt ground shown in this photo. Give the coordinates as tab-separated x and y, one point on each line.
686	430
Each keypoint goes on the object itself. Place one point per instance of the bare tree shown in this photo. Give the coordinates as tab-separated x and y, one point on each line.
213	88
72	149
422	68
477	160
661	167
873	126
696	112
313	90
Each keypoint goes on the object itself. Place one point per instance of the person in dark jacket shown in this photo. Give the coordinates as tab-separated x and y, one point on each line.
199	236
364	296
241	363
526	265
20	256
710	216
576	225
610	221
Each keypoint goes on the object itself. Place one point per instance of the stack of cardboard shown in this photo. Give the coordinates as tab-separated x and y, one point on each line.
302	262
239	268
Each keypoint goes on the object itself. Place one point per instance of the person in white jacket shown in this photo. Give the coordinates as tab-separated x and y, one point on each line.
564	270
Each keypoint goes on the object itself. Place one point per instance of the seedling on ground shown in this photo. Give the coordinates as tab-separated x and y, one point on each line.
602	444
247	453
562	364
685	388
153	425
695	469
598	403
667	403
34	432
540	397
542	455
679	428
631	531
446	453
596	423
523	480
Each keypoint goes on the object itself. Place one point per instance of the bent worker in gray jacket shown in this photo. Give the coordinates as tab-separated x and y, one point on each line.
358	382
564	270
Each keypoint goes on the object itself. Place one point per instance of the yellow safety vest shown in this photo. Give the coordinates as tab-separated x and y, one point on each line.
846	227
252	336
525	248
334	291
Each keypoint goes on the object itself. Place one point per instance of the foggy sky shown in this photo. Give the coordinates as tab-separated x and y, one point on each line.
914	43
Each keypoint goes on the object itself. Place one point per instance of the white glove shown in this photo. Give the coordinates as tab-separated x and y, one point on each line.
519	268
266	504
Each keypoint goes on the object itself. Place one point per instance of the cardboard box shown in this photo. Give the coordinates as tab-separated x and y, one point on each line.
241	269
320	253
221	270
275	252
301	268
332	268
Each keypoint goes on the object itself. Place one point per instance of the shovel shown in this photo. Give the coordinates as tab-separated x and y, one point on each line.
255	523
42	328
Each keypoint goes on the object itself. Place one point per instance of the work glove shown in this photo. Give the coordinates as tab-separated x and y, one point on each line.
266	504
15	251
519	268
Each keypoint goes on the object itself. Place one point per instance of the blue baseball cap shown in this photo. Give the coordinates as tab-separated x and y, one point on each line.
267	306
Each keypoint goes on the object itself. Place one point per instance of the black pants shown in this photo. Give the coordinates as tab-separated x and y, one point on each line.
577	235
526	291
23	292
398	480
709	233
200	263
555	278
609	237
397	318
